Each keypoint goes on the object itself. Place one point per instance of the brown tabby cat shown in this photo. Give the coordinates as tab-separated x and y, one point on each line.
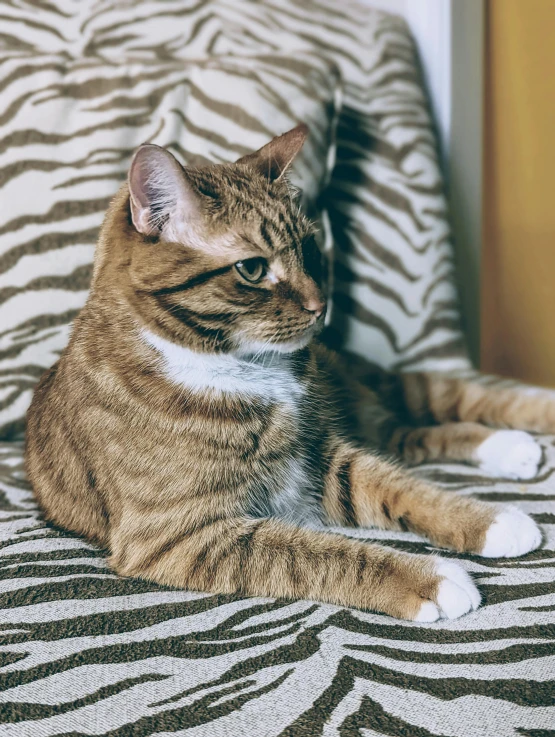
193	428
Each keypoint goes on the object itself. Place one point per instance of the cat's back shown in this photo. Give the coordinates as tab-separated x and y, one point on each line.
56	454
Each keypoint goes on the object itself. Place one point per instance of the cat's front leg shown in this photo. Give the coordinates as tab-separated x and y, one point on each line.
269	558
363	490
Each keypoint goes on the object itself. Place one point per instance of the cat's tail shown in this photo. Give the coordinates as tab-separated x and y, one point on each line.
434	398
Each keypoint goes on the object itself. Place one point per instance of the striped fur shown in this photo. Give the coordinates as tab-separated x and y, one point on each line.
192	409
82	647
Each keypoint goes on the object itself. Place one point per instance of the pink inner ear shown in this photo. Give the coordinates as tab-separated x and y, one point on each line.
158	190
141	218
273	159
140	209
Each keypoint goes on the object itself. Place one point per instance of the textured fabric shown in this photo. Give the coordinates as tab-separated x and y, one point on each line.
84	82
83	652
87	653
69	135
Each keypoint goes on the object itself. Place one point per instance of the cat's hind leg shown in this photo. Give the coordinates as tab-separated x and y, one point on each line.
363	490
510	454
436	417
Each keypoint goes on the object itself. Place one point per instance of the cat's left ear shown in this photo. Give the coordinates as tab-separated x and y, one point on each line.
160	196
273	159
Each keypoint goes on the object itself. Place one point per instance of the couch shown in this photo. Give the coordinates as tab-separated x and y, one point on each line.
84	652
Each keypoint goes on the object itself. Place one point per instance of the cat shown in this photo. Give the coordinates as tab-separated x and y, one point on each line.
197	428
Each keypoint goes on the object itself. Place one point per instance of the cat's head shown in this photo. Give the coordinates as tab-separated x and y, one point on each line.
220	258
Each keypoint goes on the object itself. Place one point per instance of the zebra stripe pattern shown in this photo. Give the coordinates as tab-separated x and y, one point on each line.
85	652
84	82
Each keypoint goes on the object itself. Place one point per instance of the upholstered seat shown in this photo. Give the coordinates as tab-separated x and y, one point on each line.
84	652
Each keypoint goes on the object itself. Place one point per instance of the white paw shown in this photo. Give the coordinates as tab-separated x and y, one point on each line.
511	454
456	595
512	533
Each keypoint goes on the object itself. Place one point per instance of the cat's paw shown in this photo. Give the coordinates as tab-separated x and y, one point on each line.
510	454
511	534
456	594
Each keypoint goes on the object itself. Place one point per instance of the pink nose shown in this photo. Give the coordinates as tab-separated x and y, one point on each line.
315	306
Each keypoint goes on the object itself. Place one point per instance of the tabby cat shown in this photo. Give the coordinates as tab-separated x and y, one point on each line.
195	427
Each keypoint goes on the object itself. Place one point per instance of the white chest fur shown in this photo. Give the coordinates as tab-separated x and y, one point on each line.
269	377
286	492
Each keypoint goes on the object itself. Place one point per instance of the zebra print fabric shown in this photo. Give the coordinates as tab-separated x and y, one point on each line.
83	82
84	652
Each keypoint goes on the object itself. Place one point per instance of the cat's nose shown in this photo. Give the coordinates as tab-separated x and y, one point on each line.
315	306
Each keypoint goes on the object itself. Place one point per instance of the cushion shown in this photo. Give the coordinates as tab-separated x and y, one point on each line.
68	135
85	652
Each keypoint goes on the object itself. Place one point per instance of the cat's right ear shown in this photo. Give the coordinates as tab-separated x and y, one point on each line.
275	158
160	196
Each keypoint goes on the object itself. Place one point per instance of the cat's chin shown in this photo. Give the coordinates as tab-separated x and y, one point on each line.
259	348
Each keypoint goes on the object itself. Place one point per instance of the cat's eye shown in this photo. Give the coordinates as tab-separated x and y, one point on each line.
252	269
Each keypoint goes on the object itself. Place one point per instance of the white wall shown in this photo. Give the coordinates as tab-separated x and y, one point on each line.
465	156
392	6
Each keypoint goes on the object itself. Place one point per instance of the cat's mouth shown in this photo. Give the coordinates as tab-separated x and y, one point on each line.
278	344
